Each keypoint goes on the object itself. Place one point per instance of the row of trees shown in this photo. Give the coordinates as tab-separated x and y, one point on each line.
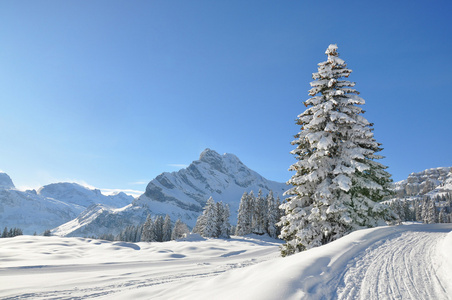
258	215
12	232
158	230
427	210
214	220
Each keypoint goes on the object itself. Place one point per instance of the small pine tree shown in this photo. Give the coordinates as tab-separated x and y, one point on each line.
442	217
211	213
424	209
259	223
272	215
158	228
418	211
167	228
5	233
431	216
148	233
179	230
245	214
223	220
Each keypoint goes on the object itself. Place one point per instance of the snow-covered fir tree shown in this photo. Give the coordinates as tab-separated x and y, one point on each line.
273	215
424	209
431	215
214	221
338	182
130	234
259	221
158	228
418	210
258	215
442	217
148	233
167	229
179	230
224	225
245	214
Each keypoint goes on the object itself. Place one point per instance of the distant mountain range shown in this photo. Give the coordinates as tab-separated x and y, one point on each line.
70	209
181	195
50	206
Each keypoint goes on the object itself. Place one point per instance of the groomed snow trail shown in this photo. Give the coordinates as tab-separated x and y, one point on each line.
401	267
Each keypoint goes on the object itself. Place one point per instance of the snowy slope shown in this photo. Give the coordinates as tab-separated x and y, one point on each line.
399	262
181	195
51	206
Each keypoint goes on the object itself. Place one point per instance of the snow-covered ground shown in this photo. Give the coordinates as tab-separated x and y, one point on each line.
400	262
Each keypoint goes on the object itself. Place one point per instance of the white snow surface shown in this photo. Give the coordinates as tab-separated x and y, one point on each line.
411	261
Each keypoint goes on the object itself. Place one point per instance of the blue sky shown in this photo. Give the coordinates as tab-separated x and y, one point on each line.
113	93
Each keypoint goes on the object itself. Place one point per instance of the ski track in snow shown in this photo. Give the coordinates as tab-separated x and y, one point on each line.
402	267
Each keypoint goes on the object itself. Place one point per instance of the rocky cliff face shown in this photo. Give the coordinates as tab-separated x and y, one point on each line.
435	180
182	195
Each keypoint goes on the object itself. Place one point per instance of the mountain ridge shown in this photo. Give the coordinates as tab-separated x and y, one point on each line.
182	194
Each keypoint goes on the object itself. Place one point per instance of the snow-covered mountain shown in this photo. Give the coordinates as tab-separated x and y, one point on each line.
73	193
430	182
51	206
6	182
182	195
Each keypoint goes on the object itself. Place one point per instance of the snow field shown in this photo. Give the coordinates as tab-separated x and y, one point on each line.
412	261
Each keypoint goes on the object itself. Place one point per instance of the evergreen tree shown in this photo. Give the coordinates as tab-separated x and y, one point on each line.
407	211
338	182
167	229
431	216
5	233
272	215
243	216
158	228
214	221
211	213
179	230
148	233
424	209
259	221
442	217
418	211
223	224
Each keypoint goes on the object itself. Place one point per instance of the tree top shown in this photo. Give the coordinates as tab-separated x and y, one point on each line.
332	50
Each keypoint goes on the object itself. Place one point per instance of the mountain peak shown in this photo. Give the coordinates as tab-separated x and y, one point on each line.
208	154
5	181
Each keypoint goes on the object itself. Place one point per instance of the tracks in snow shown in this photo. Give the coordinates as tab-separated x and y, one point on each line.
402	267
